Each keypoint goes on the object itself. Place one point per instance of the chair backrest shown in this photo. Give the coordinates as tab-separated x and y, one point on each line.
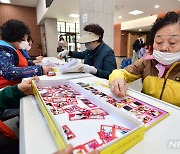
9	113
126	62
6	131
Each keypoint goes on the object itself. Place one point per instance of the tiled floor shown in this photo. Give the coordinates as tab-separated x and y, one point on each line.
136	85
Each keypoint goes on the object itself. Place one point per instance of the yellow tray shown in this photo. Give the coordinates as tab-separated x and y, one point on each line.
117	146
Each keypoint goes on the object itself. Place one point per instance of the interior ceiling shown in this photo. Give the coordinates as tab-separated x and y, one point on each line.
61	9
30	3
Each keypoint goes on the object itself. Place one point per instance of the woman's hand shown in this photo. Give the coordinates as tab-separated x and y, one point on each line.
69	150
47	69
26	86
119	87
39	58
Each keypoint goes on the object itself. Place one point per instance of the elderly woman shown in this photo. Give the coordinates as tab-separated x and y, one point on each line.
13	65
160	72
10	98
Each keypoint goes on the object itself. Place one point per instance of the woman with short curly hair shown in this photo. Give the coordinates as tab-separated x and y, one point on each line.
13	65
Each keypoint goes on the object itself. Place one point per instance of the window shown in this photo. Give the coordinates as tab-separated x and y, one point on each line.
71	33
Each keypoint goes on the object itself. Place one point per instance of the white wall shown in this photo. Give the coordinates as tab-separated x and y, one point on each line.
139	23
51	37
41	10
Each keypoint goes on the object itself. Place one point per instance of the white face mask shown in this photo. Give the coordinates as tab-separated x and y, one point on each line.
23	45
166	58
28	48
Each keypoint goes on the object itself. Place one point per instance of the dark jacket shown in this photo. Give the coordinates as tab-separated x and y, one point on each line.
137	44
9	97
102	59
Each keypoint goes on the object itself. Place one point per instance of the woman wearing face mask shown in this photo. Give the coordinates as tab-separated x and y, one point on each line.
160	72
98	58
25	46
13	65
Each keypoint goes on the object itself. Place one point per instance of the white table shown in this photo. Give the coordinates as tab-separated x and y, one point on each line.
57	62
54	60
35	136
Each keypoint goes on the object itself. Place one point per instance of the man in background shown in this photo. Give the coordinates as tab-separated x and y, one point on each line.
136	47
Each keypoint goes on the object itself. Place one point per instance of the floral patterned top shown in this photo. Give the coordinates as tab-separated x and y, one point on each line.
9	61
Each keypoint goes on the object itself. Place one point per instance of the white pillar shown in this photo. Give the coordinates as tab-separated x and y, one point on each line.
51	36
98	12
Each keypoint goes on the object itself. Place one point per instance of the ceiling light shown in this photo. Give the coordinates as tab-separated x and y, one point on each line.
140	30
74	15
120	17
156	6
5	1
135	12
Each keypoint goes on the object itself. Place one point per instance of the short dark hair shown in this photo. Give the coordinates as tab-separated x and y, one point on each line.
30	38
14	30
61	38
96	29
169	19
143	45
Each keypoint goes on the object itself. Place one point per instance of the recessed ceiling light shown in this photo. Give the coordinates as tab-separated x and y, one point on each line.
135	12
140	30
156	6
5	1
74	15
120	17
